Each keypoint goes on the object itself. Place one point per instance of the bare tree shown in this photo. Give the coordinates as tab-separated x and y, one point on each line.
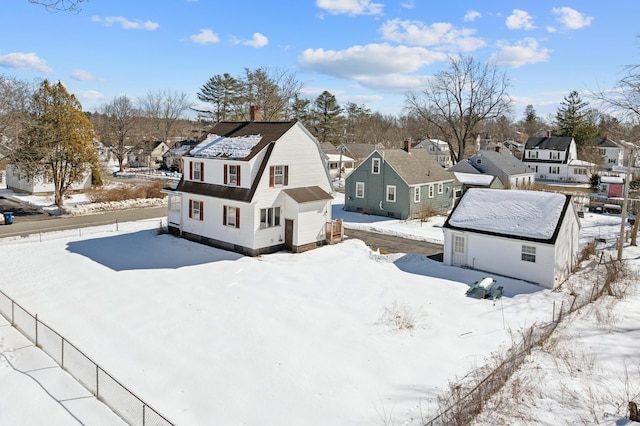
60	5
457	99
116	126
164	108
14	103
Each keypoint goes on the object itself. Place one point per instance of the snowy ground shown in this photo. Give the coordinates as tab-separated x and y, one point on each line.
210	337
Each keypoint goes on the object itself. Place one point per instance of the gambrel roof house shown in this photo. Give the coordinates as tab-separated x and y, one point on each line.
555	158
499	163
399	183
253	187
529	235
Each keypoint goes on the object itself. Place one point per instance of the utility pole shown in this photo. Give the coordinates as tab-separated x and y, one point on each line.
625	195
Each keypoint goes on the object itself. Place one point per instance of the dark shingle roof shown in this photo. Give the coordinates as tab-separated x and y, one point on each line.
505	161
416	167
606	143
307	194
558	143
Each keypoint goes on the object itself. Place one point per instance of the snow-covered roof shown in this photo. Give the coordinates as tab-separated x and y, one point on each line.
519	213
336	157
474	178
236	147
611	179
580	163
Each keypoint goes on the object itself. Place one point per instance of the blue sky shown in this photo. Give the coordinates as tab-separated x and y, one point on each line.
363	51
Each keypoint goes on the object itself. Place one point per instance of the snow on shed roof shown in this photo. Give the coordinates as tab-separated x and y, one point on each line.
236	147
519	213
474	178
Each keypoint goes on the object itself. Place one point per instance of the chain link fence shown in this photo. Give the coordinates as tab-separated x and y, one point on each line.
100	383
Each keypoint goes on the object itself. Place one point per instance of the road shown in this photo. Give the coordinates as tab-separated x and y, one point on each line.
28	221
34	223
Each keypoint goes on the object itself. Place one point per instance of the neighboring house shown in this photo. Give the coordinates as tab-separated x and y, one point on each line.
438	149
528	235
39	185
336	160
360	151
148	155
172	159
611	186
4	162
254	187
612	152
501	164
555	158
399	183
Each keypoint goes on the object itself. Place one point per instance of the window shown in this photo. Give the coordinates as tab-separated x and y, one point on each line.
359	189
391	193
232	174
554	170
430	191
375	166
196	171
533	154
478	160
611	160
278	175
529	254
174	203
554	155
269	217
458	244
579	171
440	188
196	209
231	216
416	194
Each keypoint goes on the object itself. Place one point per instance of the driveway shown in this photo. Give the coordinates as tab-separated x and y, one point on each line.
20	211
393	244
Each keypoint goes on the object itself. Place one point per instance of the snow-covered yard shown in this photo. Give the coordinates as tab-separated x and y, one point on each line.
210	337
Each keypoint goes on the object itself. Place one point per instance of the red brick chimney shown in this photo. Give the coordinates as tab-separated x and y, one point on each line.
407	145
549	133
254	113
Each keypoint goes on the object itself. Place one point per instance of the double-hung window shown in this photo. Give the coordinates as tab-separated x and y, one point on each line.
196	209
440	187
416	194
231	216
391	193
431	191
359	189
197	171
375	166
278	175
232	174
529	253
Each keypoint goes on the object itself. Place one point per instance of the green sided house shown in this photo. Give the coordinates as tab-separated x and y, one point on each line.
399	183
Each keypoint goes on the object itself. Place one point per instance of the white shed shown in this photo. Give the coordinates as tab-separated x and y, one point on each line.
529	235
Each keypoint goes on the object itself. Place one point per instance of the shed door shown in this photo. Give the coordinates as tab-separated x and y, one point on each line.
458	254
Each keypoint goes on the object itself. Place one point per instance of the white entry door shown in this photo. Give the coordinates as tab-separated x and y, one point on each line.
459	255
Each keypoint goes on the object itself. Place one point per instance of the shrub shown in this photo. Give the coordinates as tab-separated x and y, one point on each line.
399	316
126	192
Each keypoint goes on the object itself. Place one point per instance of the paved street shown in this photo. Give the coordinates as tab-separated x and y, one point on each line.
35	223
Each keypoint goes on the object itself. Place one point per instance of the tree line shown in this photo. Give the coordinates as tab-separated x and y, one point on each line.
45	129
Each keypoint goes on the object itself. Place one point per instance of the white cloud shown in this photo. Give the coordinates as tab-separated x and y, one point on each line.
91	95
350	7
439	34
125	23
571	19
257	41
82	75
25	61
363	62
524	52
520	20
471	16
205	36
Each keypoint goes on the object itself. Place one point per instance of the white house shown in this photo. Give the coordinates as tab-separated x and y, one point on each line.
254	187
438	149
41	184
555	158
529	235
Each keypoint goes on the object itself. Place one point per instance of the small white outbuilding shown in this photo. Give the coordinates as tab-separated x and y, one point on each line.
529	235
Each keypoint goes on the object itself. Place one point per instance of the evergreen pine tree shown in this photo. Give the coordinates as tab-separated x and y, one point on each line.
328	118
